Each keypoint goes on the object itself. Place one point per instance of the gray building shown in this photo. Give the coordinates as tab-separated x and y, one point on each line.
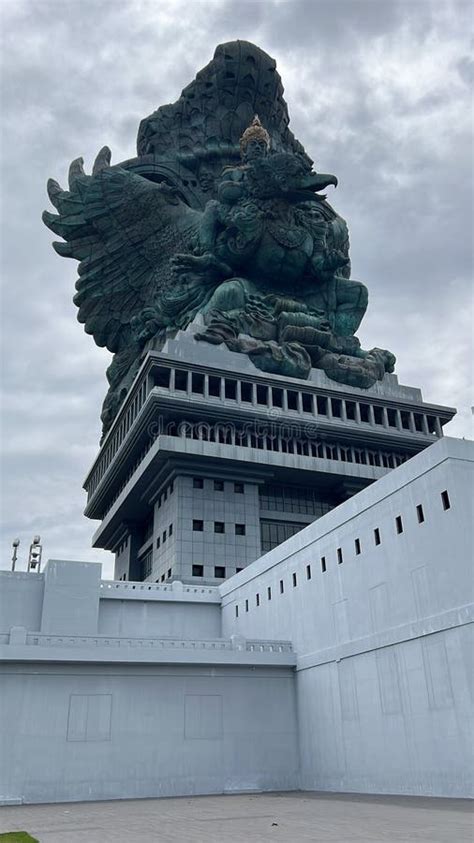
208	466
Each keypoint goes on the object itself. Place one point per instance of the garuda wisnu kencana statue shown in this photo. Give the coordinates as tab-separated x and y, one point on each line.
219	221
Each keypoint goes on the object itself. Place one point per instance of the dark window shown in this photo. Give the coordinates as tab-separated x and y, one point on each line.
357	546
158	541
170	530
231	389
198	483
246	605
292	400
277	397
378	415
323	564
181	380
262	395
169	573
236	611
163	537
350	410
282	587
273	533
445	500
240	529
308	572
364	412
322	404
418	422
399	524
420	514
336	407
162	578
392	417
377	538
246	392
257	599
219	527
219	572
214	386
239	488
218	485
307	403
198	526
197	381
269	593
339	556
161	377
238	570
293	578
198	570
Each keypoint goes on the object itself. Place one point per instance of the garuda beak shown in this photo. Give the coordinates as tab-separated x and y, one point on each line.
318	181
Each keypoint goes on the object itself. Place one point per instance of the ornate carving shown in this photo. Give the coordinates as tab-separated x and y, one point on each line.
221	214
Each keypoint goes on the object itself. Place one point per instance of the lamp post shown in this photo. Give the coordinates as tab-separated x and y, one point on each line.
15	546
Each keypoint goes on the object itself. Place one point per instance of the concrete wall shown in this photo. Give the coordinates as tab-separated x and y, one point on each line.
383	637
76	732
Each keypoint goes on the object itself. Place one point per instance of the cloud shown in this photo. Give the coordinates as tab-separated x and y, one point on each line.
378	93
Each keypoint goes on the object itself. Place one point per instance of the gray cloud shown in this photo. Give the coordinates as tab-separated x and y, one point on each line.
378	93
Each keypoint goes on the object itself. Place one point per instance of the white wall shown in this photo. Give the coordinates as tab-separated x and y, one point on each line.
78	732
384	639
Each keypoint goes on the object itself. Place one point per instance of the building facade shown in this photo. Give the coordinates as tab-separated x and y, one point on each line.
208	466
341	660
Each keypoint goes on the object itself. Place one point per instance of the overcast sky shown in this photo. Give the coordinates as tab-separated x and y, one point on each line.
378	93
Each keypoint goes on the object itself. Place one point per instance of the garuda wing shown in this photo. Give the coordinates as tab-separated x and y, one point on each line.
123	229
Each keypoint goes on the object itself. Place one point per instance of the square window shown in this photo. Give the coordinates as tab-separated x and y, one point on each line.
323	564
282	587
238	570
218	485
219	572
357	546
293	577
399	524
308	572
197	381
198	483
231	389
198	526
214	386
240	529
198	570
219	527
420	514
445	500
339	556
377	538
239	488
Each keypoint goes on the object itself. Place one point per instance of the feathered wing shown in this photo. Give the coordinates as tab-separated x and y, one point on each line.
123	229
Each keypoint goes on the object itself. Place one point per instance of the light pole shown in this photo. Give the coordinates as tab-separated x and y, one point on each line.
15	546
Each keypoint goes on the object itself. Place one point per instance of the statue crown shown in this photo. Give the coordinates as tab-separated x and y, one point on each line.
254	132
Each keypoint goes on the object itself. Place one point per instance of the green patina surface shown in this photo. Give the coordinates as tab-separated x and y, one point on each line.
220	219
17	837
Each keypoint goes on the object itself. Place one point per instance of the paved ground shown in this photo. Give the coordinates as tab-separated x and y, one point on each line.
288	817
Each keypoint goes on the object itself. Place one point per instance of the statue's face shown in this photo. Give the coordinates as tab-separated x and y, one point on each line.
256	148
